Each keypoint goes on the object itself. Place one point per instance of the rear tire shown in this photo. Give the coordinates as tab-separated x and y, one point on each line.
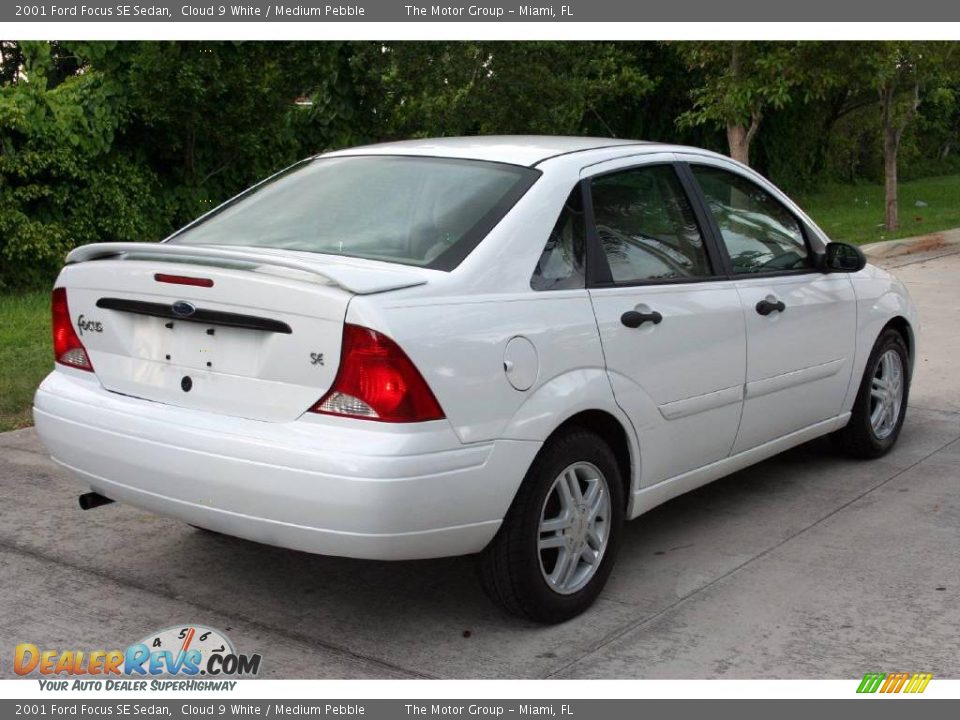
881	403
558	543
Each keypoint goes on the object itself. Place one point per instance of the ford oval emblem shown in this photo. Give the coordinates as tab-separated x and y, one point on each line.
181	308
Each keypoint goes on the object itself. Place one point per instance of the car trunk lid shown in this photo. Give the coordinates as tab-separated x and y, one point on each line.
251	334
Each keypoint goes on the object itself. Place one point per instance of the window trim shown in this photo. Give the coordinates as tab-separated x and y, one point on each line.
598	270
715	231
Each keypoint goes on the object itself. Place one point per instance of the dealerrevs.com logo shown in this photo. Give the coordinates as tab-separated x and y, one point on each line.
203	659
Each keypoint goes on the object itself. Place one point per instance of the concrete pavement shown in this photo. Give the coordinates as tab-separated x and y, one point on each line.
887	250
808	565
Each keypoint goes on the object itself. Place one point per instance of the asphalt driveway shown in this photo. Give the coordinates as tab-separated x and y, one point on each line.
809	565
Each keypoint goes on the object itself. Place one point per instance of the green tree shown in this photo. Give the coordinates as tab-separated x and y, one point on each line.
898	72
126	141
213	117
11	61
59	183
469	88
737	83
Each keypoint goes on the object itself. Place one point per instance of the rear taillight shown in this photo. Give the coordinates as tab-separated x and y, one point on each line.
67	348
377	381
183	280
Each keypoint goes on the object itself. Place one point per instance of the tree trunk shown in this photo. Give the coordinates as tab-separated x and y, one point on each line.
892	133
739	137
891	143
739	147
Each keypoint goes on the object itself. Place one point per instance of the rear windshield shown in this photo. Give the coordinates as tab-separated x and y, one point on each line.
429	212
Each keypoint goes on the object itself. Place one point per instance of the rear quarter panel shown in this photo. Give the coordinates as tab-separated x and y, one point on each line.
458	343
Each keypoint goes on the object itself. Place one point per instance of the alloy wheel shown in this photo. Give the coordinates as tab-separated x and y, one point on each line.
886	394
574	528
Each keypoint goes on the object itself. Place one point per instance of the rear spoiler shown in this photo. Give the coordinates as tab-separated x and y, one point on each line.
361	280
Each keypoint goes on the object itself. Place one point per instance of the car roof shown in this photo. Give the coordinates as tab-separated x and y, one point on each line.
515	149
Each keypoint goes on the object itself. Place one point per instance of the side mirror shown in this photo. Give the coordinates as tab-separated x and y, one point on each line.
841	257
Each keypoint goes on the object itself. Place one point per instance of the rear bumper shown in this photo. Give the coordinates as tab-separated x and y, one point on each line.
322	485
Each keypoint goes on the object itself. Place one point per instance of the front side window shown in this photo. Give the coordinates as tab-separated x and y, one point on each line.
646	226
420	211
760	234
561	264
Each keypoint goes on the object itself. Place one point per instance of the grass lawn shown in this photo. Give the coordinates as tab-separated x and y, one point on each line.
849	213
25	354
854	213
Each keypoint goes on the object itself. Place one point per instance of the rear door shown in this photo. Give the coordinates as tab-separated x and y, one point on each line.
672	331
801	322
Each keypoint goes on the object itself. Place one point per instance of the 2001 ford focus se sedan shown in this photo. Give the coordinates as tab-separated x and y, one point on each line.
502	345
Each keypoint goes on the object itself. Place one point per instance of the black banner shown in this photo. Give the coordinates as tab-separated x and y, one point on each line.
299	11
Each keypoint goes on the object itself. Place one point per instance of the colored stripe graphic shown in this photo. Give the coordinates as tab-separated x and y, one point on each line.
894	682
918	683
871	682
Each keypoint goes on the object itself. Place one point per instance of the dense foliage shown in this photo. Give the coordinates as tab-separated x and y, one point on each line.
127	141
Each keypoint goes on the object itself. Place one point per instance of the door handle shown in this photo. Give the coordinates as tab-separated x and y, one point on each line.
765	307
634	319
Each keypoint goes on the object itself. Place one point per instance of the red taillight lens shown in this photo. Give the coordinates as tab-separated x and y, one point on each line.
183	280
67	348
377	381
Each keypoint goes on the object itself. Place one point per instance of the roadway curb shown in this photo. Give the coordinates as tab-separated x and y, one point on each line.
907	246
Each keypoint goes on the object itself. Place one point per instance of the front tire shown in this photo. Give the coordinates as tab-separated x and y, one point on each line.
881	403
557	545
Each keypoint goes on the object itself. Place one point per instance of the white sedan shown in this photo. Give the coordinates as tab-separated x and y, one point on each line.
495	345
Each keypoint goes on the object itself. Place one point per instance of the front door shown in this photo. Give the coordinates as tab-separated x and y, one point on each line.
672	332
800	322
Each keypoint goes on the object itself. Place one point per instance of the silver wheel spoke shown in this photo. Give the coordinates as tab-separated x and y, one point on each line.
590	556
594	540
565	561
572	564
886	393
561	522
593	490
552	541
596	507
571	542
563	495
572	485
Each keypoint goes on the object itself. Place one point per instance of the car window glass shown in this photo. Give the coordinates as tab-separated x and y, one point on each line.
646	226
402	209
760	234
561	262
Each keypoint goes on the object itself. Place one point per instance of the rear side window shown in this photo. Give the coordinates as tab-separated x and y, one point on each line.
423	211
561	264
759	233
646	226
